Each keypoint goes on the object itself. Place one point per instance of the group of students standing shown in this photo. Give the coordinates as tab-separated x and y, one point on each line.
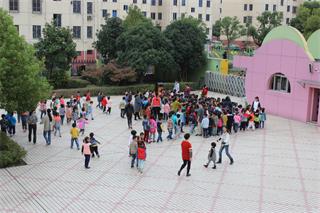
199	114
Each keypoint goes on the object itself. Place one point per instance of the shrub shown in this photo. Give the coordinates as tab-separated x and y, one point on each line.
112	74
120	90
10	152
76	83
93	74
116	74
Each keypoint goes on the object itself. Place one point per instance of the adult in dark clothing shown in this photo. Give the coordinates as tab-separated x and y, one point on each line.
4	124
230	120
32	126
137	106
129	112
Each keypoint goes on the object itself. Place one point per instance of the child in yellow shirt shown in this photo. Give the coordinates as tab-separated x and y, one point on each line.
74	132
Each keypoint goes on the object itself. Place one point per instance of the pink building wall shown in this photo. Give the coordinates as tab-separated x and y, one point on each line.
286	57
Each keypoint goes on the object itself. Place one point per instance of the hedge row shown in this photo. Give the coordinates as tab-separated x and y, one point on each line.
11	153
120	90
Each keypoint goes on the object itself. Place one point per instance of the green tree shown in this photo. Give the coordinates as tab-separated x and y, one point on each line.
307	18
216	29
232	29
267	21
21	83
144	45
312	25
57	49
106	43
188	38
134	18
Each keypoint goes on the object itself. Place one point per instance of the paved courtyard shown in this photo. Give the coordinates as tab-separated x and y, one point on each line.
276	170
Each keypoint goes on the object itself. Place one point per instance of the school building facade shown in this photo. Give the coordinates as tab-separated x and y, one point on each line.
85	17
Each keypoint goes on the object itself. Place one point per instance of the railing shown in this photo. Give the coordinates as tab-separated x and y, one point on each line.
226	84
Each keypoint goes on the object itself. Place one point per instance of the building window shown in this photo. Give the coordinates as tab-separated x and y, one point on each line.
174	16
274	7
89	52
115	1
36	31
279	82
76	6
14	5
192	10
134	1
250	7
159	16
76	32
208	3
245	7
89	31
288	8
144	13
153	2
175	2
160	3
183	2
245	19
17	28
287	20
266	7
125	7
294	9
36	6
200	17
89	7
200	3
144	1
282	2
207	31
249	19
104	13
114	13
153	16
207	17
57	20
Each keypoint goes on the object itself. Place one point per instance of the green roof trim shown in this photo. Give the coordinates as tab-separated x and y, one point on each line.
314	44
288	33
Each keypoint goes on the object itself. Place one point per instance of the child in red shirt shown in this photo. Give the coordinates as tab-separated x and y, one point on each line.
186	148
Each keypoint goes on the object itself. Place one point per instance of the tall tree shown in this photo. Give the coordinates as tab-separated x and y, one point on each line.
134	18
21	84
232	29
267	21
216	29
144	45
106	43
307	18
57	49
188	38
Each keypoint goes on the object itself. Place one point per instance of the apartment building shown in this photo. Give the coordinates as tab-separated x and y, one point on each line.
248	10
84	17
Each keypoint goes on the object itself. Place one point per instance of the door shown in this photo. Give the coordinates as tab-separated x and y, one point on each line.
315	105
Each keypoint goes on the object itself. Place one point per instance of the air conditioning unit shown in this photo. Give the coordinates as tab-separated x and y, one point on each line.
89	18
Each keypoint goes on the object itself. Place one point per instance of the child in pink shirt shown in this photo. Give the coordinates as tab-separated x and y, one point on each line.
86	152
237	120
166	110
81	124
153	129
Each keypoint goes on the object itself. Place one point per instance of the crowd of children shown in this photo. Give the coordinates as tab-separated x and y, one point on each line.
166	111
196	114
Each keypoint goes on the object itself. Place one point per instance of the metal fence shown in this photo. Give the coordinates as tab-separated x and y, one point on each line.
226	84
